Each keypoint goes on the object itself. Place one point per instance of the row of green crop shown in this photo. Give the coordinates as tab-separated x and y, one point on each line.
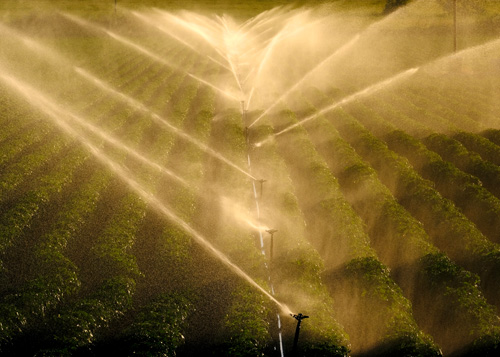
61	287
396	234
30	134
10	116
296	266
453	151
390	113
386	221
168	264
484	147
362	274
67	274
64	276
474	142
356	279
109	274
466	96
466	191
468	195
474	253
460	239
450	149
166	255
423	278
426	117
417	195
493	135
25	166
23	212
22	169
111	268
18	217
440	108
127	79
56	276
243	326
157	326
451	103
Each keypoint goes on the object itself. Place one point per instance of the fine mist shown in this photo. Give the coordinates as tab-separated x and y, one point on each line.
203	178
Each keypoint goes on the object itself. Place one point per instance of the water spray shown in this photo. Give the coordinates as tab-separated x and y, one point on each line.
364	92
227	94
137	105
118	38
338	51
55	115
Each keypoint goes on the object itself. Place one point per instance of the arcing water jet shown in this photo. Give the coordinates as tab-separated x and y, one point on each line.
367	91
26	92
306	76
56	111
177	38
131	101
161	121
225	93
138	48
120	39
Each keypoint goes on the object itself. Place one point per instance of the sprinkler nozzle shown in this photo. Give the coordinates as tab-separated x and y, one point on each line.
299	317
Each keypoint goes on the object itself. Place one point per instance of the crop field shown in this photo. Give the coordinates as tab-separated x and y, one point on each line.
203	178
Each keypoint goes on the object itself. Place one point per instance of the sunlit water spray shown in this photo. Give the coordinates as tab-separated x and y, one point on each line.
26	92
57	111
120	39
184	42
138	48
196	29
223	92
265	58
40	49
306	76
367	91
157	118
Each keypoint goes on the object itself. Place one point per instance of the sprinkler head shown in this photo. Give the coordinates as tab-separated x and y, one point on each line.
271	231
299	317
261	180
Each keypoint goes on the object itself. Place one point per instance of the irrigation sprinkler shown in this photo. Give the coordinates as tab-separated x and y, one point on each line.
261	183
244	112
299	319
247	138
245	115
455	25
271	232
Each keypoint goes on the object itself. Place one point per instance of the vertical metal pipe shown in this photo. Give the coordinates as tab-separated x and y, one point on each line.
272	238
299	319
455	25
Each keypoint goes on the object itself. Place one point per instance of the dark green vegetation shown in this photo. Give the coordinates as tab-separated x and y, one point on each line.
387	207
